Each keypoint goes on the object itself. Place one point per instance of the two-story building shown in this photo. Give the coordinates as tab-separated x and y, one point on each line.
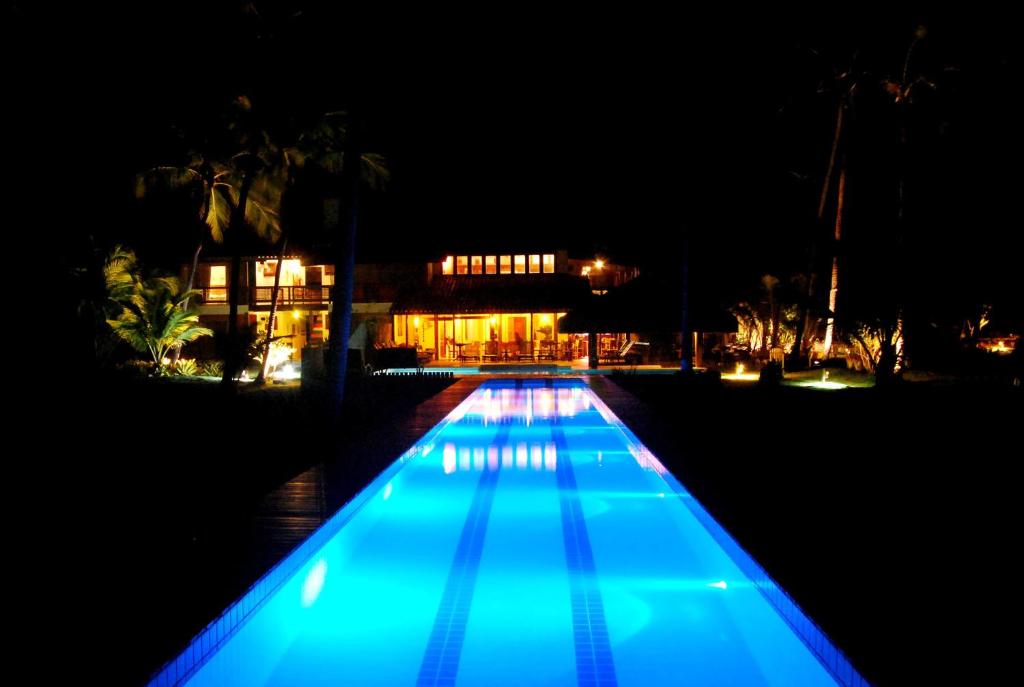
500	307
459	307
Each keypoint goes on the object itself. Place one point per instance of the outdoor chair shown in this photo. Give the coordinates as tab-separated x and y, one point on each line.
470	352
631	353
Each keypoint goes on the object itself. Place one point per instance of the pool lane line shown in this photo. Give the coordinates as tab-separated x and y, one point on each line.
594	664
440	663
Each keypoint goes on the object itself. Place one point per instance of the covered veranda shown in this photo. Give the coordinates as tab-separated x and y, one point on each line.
476	320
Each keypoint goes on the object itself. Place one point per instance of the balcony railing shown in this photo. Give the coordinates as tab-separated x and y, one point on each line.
214	294
292	295
287	295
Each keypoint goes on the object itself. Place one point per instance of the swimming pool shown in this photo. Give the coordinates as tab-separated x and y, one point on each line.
528	539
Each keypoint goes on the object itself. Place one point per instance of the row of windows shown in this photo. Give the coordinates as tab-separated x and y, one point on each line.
499	264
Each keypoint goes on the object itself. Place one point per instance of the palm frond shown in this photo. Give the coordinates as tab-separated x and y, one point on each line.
264	220
167	179
221	205
375	170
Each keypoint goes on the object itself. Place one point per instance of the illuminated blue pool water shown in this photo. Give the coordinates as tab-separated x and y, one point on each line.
529	539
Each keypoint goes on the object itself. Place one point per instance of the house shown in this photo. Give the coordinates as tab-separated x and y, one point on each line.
303	299
458	307
500	307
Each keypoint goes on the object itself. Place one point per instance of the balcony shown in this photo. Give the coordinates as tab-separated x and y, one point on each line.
287	296
292	295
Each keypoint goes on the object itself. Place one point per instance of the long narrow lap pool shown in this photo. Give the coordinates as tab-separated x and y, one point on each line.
529	539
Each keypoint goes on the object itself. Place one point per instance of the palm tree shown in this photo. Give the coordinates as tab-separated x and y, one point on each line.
330	146
844	84
217	188
833	292
152	317
904	92
213	186
321	147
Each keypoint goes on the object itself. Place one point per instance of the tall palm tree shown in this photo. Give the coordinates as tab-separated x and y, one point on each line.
686	353
322	147
332	145
833	292
215	187
843	85
904	91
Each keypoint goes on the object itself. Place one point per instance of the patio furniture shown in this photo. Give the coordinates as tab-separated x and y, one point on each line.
471	351
631	353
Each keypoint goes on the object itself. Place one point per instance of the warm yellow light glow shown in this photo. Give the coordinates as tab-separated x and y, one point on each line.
585	271
998	346
545	319
599	264
293	272
415	321
218	275
741	376
739	368
295	314
494	319
447	265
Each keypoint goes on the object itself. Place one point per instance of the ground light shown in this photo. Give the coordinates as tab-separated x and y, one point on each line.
823	383
741	375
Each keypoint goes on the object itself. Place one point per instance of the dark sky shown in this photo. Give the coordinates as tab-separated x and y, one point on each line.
596	130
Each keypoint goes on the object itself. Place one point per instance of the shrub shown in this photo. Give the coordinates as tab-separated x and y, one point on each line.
186	367
210	368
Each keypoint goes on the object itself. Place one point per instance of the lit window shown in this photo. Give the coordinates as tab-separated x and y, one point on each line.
218	275
478	264
462	262
490	265
549	263
506	264
520	264
534	264
447	265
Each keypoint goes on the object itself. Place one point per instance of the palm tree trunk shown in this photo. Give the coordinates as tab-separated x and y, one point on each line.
833	292
345	249
686	354
233	356
261	378
191	283
803	320
204	216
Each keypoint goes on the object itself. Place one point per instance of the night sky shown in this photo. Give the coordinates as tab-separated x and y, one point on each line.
591	130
